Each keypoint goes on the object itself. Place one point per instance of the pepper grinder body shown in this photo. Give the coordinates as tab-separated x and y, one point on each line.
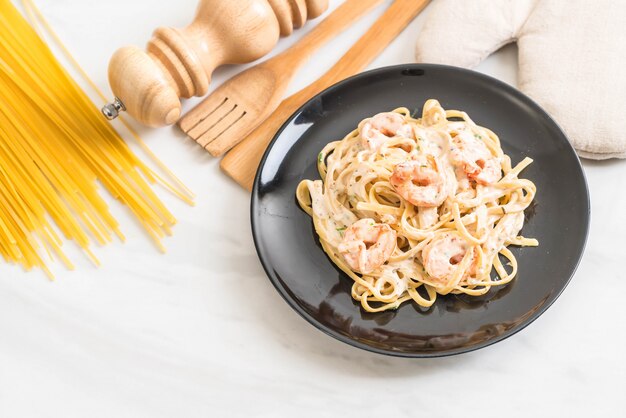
178	63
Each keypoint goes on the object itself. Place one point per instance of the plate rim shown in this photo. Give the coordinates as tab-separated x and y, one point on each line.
283	291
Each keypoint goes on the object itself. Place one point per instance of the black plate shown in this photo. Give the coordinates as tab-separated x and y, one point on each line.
320	292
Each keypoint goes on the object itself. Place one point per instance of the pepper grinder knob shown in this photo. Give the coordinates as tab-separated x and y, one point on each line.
112	110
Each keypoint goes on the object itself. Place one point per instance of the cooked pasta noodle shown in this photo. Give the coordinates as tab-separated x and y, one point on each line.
412	208
55	150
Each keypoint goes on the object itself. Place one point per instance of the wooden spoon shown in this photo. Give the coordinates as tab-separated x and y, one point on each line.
240	104
241	162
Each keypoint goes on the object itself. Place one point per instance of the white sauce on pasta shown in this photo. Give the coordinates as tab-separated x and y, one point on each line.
440	186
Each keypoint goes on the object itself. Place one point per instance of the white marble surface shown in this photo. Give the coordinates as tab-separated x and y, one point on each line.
151	335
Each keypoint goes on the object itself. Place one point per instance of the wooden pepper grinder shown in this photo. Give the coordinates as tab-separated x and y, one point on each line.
179	62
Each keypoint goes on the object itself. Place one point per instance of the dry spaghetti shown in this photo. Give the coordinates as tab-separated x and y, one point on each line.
412	208
55	151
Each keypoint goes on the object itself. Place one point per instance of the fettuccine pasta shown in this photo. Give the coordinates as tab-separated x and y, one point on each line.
414	208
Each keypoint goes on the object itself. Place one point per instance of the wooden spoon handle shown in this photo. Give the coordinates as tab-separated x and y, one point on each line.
339	20
242	161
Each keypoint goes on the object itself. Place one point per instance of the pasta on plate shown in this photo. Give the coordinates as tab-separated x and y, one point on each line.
412	208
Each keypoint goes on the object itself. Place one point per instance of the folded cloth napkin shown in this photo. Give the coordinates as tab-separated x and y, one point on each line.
572	58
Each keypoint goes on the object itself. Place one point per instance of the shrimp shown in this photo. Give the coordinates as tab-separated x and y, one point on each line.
376	131
473	156
419	182
367	245
441	256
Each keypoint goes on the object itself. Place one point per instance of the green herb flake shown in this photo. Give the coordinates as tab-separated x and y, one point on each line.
320	157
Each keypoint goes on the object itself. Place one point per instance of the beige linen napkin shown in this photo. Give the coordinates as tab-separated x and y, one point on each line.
572	58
